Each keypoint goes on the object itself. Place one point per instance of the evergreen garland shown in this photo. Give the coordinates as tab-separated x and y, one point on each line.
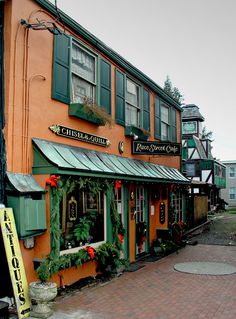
54	261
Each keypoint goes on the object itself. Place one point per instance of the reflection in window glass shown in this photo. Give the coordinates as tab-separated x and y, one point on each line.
83	74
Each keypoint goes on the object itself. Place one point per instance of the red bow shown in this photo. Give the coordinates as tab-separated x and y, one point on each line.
90	251
118	184
52	181
121	238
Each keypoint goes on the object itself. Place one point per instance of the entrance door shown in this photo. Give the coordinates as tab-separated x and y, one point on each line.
141	221
120	204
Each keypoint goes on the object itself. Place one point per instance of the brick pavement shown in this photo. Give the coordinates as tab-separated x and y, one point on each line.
157	291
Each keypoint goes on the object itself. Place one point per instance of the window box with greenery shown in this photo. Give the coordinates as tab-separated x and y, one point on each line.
90	111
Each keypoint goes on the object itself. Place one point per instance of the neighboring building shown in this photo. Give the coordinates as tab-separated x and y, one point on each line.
229	193
125	173
207	174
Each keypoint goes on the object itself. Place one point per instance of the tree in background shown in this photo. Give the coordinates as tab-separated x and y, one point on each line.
206	134
173	91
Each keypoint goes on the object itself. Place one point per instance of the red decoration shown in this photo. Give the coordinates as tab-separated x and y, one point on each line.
117	185
90	251
121	238
52	181
141	243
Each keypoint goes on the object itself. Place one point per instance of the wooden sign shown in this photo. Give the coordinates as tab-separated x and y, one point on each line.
15	262
162	215
155	148
79	135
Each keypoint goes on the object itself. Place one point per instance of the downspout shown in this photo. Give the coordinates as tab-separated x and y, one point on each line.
2	111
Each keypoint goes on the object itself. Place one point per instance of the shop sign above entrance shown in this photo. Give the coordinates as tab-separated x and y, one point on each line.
79	135
155	148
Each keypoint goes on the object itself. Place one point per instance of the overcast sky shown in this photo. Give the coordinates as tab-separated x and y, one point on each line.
192	41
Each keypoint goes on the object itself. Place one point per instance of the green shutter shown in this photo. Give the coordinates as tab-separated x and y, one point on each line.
157	118
105	85
120	98
173	125
61	69
146	110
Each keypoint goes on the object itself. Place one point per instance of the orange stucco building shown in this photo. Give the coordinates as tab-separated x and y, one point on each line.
82	122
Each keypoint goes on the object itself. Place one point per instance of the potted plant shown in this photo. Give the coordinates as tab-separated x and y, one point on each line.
82	231
42	292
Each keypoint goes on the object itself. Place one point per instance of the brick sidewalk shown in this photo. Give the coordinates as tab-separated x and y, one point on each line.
157	291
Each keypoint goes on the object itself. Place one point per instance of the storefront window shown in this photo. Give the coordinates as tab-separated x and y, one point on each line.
82	219
177	204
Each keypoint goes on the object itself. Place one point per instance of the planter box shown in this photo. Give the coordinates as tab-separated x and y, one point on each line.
78	110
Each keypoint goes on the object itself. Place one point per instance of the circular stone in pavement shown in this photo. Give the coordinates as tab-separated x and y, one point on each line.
205	268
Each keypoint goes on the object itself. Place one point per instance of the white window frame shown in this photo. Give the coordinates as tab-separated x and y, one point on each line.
164	122
94	245
231	174
177	204
232	191
79	76
128	103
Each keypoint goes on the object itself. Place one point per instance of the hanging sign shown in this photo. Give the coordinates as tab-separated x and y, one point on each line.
15	262
155	148
79	135
162	215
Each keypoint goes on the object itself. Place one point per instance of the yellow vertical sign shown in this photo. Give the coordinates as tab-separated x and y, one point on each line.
15	262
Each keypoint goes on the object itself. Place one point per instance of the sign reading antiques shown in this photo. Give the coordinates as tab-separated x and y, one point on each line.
79	135
15	262
155	148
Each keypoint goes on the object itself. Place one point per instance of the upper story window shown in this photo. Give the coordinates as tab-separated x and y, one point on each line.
165	122
132	102
83	67
231	171
232	193
75	74
132	111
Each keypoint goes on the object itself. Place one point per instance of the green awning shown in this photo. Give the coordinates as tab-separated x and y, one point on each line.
55	158
22	183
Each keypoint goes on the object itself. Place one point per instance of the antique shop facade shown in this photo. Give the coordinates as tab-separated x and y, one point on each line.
92	144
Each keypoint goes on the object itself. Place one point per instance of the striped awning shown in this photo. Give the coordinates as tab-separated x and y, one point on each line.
50	157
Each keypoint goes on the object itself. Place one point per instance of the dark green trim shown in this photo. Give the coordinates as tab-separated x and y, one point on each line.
146	212
57	171
157	117
109	52
126	222
120	86
130	130
61	68
108	216
146	109
105	85
77	110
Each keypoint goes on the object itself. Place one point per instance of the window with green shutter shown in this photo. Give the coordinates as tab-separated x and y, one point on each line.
146	110
75	77
120	97
173	125
157	118
105	85
61	68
